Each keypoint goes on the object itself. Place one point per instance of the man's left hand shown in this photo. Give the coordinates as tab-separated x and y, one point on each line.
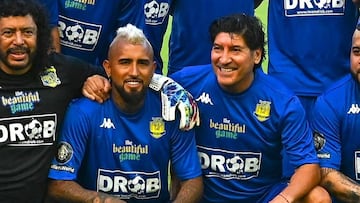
174	96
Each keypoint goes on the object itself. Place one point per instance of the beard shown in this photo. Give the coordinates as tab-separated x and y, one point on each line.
20	66
133	97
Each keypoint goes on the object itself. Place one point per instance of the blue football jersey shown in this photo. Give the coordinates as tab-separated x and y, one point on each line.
86	29
106	150
336	124
306	57
51	7
335	120
241	136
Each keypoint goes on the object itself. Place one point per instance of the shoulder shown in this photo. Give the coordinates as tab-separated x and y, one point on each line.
72	65
59	58
272	85
340	87
346	88
193	74
268	90
86	106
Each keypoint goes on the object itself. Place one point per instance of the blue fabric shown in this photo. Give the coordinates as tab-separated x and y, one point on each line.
106	150
313	52
241	136
86	29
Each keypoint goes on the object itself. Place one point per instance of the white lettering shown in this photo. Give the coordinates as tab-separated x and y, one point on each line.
4	133
290	4
152	185
90	37
338	3
251	165
204	160
16	130
48	129
308	4
62	27
164	8
120	184
217	163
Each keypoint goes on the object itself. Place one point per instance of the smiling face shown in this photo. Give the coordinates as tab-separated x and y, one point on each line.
131	67
18	37
233	62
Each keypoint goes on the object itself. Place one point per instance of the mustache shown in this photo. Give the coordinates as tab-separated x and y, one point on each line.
19	49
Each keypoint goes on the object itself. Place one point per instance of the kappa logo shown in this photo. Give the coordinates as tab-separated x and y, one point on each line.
204	98
107	123
354	109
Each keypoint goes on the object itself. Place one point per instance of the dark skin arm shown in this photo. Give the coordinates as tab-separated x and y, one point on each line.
70	191
186	191
190	191
55	38
340	186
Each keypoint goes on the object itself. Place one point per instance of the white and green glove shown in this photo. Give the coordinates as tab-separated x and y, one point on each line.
174	96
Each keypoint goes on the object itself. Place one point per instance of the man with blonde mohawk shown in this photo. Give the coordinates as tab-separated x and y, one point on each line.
122	153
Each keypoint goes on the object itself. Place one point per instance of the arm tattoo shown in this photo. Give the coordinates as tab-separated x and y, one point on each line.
340	186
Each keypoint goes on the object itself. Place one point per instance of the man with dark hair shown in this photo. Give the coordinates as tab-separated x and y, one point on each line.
247	119
187	49
36	88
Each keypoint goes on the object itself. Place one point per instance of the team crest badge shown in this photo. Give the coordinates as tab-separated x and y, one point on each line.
49	77
157	127
262	111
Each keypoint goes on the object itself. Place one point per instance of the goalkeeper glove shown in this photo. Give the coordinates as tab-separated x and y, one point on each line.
174	96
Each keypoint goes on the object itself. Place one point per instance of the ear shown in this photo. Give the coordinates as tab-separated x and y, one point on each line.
154	66
257	56
106	65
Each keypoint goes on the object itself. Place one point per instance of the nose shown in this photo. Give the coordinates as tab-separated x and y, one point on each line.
134	71
19	38
225	57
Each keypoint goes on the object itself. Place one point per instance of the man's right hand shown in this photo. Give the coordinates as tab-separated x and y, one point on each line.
107	199
97	88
